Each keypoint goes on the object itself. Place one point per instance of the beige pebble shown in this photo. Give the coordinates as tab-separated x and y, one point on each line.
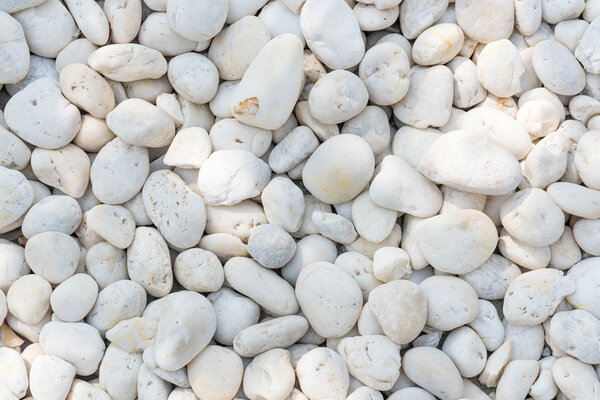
444	382
322	374
128	62
409	303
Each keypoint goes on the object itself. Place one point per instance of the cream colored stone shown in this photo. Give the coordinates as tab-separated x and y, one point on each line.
322	374
417	108
269	89
451	302
276	333
73	299
215	373
332	33
128	62
263	286
400	307
444	381
77	343
319	290
339	169
533	296
493	171
229	176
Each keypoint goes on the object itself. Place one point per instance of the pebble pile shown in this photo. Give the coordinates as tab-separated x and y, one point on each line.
300	199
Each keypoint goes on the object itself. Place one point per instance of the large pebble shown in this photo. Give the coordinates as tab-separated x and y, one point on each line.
139	123
385	71
77	343
52	255
90	19
438	44
198	270
269	376
262	285
13	264
478	164
115	224
52	213
128	62
14	48
215	373
390	189
444	381
339	169
400	307
585	275
485	21
416	16
51	377
499	68
276	333
66	169
457	242
118	373
370	220
332	33
269	88
533	296
532	217
322	374
373	359
87	89
466	349
124	19
587	159
451	302
156	32
587	49
32	114
557	68
197	20
48	28
234	313
194	77
17	196
13	373
271	246
115	303
14	154
327	294
574	332
28	299
228	177
178	212
420	110
149	262
517	378
73	299
108	183
184	330
337	96
234	48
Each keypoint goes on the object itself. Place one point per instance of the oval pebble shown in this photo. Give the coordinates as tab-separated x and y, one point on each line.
32	115
457	242
339	169
52	255
326	293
